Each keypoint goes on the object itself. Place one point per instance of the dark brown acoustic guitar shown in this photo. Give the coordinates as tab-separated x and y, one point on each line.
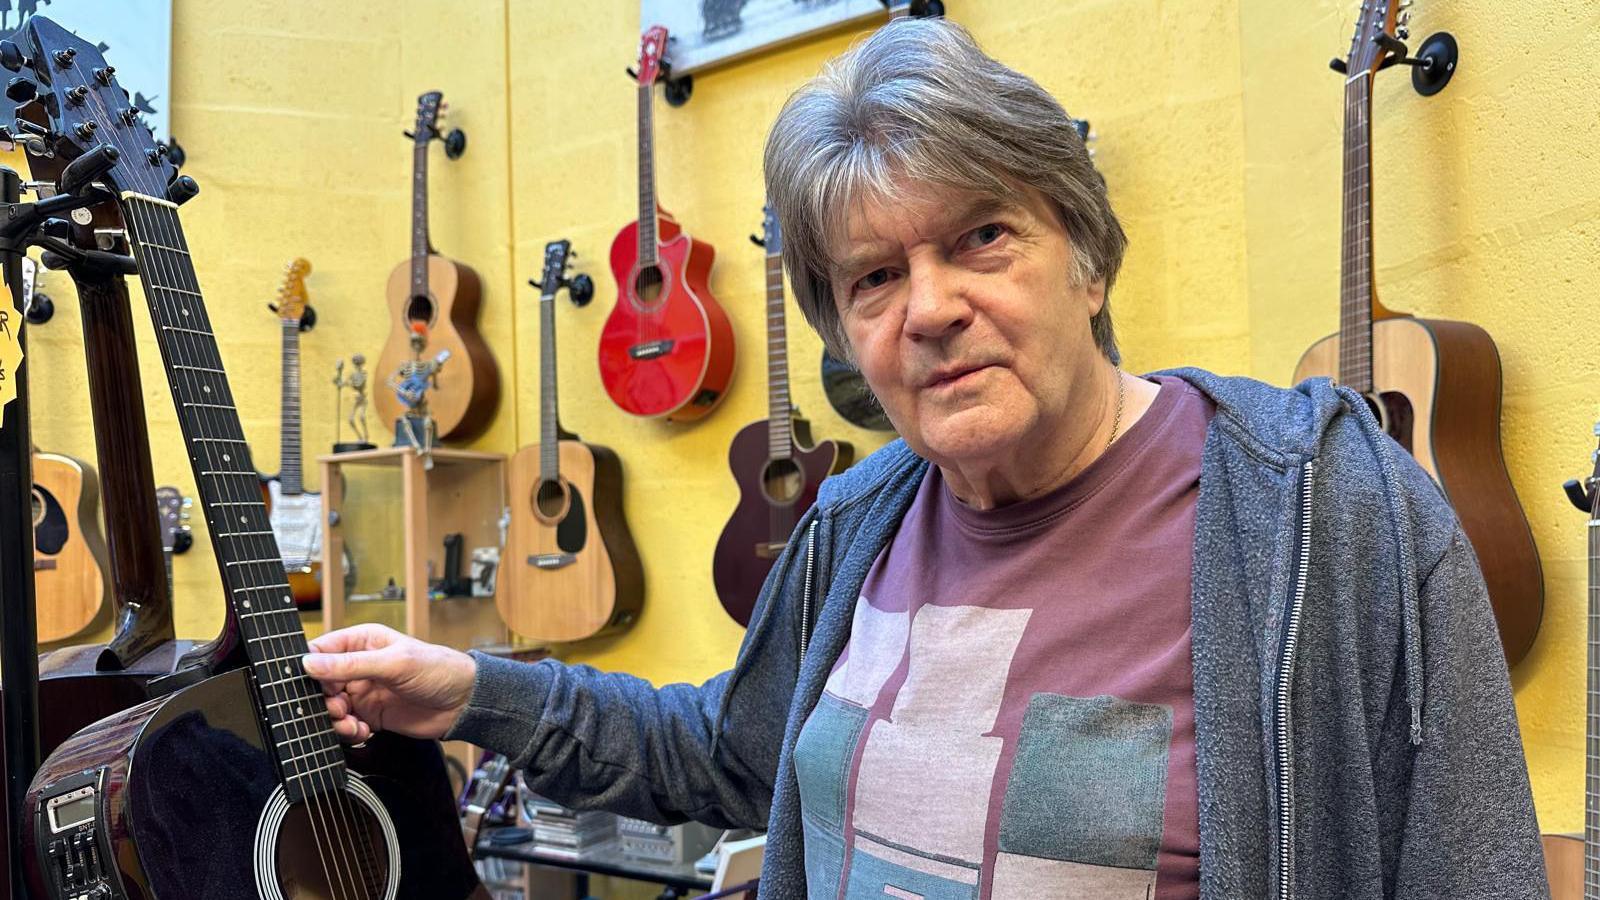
443	295
1433	383
777	467
571	569
234	786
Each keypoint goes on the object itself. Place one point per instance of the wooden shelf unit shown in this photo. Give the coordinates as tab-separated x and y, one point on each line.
462	491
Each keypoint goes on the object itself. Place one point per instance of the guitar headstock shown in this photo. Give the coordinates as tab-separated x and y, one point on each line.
555	267
429	107
76	91
291	305
771	235
173	510
1373	41
652	50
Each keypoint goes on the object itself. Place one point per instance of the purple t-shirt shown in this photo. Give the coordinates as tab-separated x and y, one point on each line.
1014	714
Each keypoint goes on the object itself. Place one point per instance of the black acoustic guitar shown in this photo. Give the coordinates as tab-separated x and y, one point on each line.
235	786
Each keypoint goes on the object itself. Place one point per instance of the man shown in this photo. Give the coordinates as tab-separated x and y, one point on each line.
1080	633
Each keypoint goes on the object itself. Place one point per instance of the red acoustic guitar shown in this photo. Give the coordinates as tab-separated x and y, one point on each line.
667	348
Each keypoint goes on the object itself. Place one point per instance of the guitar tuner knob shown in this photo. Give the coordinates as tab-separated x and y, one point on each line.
21	89
65	57
105	74
129	115
11	56
77	94
86	130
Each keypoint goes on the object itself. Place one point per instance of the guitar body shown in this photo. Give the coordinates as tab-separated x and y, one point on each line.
297	525
1563	863
1438	384
666	350
469	383
69	553
570	570
773	495
229	834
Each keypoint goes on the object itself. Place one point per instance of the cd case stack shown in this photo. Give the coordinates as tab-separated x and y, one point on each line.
563	832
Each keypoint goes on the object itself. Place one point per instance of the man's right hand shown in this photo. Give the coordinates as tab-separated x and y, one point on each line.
377	679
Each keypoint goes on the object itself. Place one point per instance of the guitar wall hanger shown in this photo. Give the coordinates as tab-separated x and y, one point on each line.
677	90
455	142
308	316
1431	68
580	288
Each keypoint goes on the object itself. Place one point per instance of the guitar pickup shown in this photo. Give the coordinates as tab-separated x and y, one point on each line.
551	560
769	549
651	349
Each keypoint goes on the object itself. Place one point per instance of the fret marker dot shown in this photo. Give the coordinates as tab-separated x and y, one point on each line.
299	710
247	604
287	598
287	670
206	388
186	310
244	520
226	458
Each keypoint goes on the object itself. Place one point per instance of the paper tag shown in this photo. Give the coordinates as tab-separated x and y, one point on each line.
10	347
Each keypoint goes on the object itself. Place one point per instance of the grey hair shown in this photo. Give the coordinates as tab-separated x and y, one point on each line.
919	102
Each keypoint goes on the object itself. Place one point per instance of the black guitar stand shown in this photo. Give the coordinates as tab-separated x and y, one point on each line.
23	225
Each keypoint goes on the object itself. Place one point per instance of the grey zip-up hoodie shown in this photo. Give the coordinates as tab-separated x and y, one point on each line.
1355	733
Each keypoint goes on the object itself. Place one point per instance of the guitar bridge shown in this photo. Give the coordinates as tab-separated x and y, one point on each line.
551	560
651	349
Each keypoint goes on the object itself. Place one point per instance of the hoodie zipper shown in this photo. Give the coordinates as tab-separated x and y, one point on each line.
1281	717
805	595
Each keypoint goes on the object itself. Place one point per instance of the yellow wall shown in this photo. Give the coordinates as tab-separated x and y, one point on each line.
1218	124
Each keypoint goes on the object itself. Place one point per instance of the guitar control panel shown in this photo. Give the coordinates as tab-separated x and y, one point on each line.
74	854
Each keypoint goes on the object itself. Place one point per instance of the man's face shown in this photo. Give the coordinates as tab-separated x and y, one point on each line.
962	317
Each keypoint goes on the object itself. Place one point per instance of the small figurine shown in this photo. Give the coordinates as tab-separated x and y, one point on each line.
416	427
357	382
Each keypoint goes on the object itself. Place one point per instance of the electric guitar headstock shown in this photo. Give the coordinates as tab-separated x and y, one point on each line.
558	256
430	106
291	306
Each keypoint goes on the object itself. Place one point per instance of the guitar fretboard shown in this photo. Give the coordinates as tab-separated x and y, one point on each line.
1355	255
1591	781
419	219
780	414
647	176
309	756
549	415
289	472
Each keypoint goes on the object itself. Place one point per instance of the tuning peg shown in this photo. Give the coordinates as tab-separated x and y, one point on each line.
21	89
1402	32
1338	65
182	190
11	56
105	74
632	73
757	241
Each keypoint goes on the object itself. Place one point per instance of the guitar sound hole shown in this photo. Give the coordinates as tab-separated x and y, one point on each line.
550	500
420	309
782	481
332	852
38	507
647	286
1396	414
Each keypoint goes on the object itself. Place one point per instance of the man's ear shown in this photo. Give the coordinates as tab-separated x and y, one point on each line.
1096	291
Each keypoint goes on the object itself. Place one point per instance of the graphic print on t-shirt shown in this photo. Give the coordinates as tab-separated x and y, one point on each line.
1013	715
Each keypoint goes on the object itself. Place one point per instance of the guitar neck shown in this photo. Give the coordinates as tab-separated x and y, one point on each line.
780	413
308	755
289	470
647	177
420	246
1591	793
1356	289
549	416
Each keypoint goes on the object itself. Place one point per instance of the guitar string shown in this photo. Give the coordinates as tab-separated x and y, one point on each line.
278	692
131	207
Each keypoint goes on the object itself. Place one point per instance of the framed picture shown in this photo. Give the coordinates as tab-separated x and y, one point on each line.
708	33
142	52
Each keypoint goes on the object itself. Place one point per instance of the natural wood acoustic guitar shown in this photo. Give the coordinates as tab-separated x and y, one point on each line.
442	295
774	462
666	350
571	570
1434	384
69	578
